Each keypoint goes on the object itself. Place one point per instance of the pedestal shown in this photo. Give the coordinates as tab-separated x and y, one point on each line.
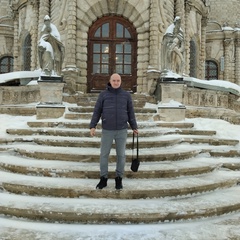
51	90
170	113
51	95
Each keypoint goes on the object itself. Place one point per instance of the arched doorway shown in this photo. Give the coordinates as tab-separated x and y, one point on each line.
112	47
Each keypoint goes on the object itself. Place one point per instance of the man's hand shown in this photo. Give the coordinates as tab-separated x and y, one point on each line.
135	131
92	132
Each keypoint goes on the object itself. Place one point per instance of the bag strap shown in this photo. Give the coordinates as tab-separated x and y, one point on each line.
133	145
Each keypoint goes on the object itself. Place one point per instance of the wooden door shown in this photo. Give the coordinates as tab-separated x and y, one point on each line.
112	48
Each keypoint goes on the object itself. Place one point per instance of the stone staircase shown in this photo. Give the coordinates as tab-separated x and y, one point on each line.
49	170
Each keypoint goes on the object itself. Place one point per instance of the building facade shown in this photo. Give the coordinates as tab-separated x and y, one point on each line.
125	36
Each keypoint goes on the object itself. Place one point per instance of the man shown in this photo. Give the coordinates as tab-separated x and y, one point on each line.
115	108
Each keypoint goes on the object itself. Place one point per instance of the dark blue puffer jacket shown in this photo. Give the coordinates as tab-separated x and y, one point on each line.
115	108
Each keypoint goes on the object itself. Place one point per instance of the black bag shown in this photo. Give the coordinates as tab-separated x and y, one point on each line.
135	161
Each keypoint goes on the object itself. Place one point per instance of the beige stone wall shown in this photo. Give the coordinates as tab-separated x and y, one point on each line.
6	29
223	38
150	18
225	12
136	11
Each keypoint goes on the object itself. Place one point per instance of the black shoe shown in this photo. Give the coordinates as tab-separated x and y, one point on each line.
102	183
118	181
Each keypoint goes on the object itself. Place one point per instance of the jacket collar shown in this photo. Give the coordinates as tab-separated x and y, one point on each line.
113	90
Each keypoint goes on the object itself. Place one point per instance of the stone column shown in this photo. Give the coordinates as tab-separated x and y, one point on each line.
227	44
44	9
203	49
237	63
16	66
34	37
181	13
70	50
187	38
71	72
153	48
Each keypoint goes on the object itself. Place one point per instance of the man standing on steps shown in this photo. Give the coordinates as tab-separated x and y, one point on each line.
115	108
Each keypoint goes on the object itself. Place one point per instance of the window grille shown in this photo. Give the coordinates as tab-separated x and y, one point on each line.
6	64
27	53
211	70
193	59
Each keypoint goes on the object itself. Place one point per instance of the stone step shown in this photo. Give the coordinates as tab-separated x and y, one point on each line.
95	142
77	124
156	210
18	110
145	132
80	132
83	154
17	164
145	142
90	99
84	116
225	153
90	110
133	188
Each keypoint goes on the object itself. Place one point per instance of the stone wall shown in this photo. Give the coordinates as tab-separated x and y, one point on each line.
225	12
19	95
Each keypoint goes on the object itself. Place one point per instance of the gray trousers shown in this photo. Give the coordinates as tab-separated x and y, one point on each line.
120	138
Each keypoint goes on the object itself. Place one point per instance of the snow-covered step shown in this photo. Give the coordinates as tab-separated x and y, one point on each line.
79	132
133	188
90	109
18	164
139	116
87	210
92	154
85	124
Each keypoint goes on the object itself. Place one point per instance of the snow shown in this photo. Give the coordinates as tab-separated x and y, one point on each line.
201	229
214	228
5	77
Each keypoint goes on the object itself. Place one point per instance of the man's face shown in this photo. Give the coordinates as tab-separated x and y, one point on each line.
115	81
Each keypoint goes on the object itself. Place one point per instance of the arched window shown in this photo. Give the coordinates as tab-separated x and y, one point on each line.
112	48
211	70
27	53
193	59
6	64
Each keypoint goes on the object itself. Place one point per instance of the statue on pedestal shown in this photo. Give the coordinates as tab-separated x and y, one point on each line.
173	48
50	49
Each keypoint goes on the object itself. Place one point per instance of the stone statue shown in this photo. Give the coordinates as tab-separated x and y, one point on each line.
50	49
173	48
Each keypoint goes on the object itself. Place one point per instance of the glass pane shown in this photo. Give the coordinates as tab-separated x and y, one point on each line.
119	31
127	48
127	59
104	68
96	68
105	48
97	33
127	69
119	58
105	30
5	61
127	34
119	69
119	48
105	58
96	48
4	69
96	58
